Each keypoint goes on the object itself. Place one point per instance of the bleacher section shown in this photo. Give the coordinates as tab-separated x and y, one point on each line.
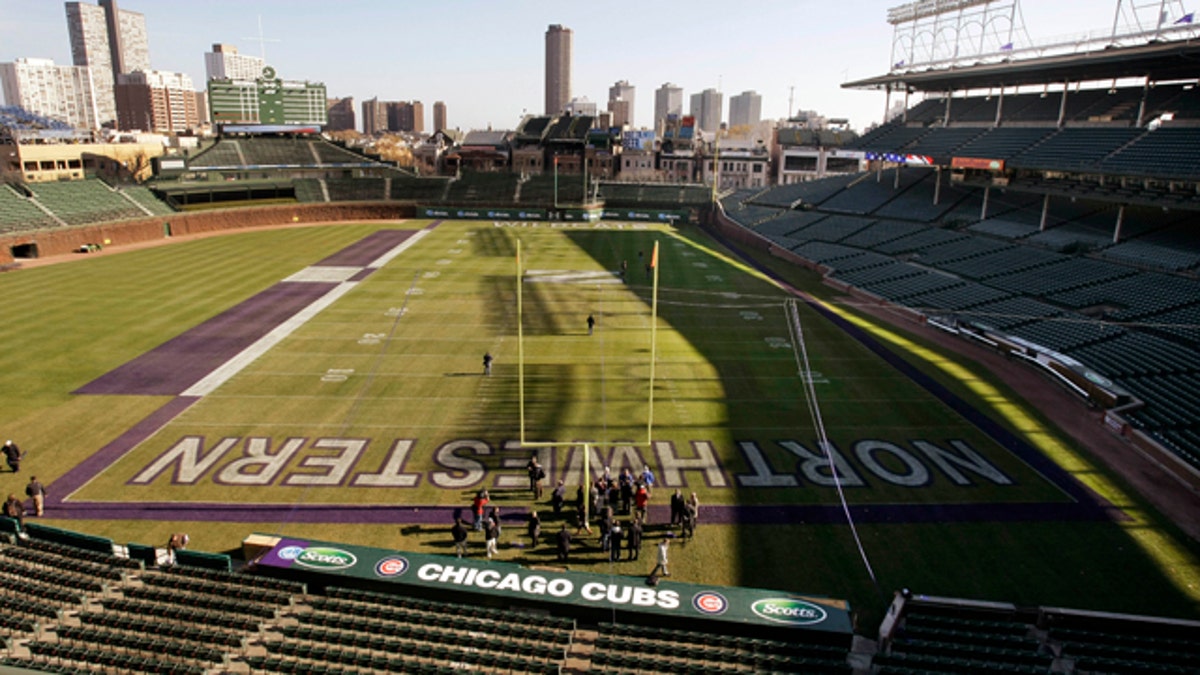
146	199
496	189
85	201
539	189
259	152
19	214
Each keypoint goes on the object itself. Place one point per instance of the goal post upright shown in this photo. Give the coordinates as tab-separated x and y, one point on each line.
587	445
653	344
520	344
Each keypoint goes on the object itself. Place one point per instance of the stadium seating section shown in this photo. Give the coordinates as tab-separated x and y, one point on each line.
39	206
944	636
275	152
69	609
1127	309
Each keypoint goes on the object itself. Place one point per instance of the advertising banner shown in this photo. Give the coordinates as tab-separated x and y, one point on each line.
578	589
977	163
482	213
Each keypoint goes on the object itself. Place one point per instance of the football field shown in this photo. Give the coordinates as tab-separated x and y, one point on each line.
328	382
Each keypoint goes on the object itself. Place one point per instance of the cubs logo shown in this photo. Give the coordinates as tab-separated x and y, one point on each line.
709	602
391	567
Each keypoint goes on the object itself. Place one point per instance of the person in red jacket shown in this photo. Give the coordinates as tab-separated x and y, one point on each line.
640	499
477	507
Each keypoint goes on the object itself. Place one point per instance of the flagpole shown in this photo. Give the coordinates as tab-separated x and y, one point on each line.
653	342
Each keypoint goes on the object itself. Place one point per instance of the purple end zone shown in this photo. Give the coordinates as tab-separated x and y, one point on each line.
366	250
175	365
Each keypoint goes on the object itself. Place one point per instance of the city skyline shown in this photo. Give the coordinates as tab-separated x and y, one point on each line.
489	70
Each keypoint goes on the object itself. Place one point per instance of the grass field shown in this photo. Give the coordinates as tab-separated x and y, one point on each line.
372	421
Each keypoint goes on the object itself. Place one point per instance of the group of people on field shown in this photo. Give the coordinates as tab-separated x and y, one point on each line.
14	507
608	499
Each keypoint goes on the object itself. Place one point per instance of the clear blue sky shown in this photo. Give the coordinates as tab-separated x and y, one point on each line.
484	58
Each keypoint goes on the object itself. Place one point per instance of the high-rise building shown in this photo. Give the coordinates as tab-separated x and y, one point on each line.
558	68
622	91
405	116
621	112
156	100
706	108
225	63
439	116
58	92
341	114
415	118
745	109
374	116
111	42
668	100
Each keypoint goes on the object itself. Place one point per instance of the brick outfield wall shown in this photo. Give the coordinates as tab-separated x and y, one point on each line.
69	239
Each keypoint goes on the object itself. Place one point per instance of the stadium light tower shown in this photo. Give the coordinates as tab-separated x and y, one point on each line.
944	32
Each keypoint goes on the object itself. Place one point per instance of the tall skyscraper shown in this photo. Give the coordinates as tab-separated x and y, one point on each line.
745	109
374	116
706	108
405	116
622	91
341	114
439	116
58	92
668	100
558	68
111	42
156	100
225	63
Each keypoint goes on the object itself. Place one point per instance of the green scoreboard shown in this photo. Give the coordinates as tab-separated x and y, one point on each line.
267	100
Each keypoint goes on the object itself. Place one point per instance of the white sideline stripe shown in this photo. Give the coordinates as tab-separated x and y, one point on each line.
209	383
397	250
325	274
247	356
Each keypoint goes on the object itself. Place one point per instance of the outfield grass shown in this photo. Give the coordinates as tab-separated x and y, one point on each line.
397	361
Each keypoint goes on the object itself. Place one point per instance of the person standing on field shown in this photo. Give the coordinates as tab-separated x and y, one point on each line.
487	363
37	492
662	558
591	322
13	455
459	534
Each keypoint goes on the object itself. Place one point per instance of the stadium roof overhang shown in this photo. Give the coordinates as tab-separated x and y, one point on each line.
1160	62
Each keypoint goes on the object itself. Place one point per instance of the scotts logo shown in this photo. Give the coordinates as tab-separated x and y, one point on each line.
709	602
787	610
391	567
322	558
